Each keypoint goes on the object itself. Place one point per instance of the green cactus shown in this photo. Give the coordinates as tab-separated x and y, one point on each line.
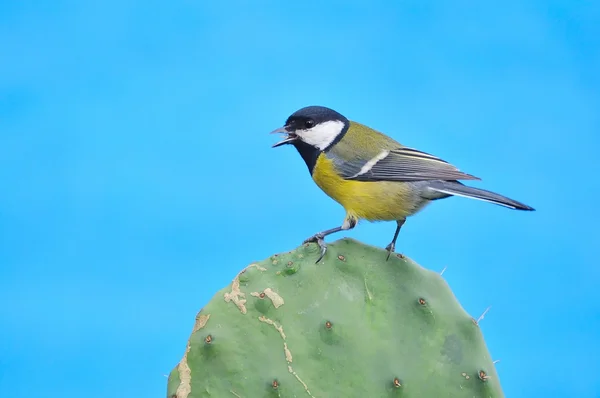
353	325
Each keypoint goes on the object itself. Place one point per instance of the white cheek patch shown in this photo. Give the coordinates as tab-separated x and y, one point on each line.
322	134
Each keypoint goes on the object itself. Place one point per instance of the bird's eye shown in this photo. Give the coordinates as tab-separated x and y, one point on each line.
309	123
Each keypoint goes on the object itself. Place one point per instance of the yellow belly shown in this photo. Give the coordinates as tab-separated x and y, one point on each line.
373	201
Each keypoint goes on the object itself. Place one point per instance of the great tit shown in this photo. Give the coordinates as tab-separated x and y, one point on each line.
371	175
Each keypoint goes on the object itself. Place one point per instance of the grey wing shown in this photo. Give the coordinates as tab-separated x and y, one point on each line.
400	164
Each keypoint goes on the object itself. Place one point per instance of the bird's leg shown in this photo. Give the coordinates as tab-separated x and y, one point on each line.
349	223
392	246
318	238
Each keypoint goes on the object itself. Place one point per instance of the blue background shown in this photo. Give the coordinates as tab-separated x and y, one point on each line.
134	152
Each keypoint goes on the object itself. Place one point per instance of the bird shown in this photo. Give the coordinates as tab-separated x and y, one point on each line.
371	175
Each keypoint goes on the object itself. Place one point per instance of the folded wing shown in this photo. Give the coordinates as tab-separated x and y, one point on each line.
400	164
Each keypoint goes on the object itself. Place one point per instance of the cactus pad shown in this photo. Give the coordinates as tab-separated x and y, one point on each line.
353	325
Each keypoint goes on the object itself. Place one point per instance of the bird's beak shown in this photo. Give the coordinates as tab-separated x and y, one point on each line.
291	137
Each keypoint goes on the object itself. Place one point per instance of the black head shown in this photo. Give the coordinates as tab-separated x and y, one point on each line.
310	116
316	126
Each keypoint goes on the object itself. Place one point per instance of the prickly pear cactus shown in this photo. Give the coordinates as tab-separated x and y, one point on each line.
353	325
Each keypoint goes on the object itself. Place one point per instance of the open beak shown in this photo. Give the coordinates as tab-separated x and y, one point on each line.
291	137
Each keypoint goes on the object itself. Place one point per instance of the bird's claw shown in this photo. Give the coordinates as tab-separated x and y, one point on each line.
318	239
390	248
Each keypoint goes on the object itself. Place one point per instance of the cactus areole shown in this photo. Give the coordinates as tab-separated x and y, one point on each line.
352	325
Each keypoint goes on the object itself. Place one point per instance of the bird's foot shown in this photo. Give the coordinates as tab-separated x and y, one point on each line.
390	248
318	239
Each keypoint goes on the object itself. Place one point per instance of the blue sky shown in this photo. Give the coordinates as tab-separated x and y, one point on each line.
138	179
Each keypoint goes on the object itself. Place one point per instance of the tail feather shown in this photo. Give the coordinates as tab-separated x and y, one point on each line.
457	189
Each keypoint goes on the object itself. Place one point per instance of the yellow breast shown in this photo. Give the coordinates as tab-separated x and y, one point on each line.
373	201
